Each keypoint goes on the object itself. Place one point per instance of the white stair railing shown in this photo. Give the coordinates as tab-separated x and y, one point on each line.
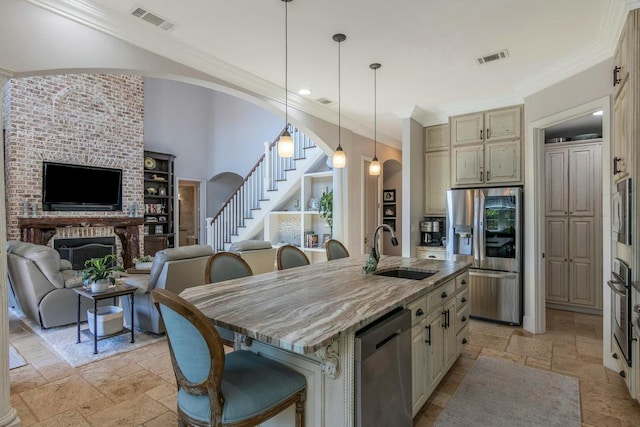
263	177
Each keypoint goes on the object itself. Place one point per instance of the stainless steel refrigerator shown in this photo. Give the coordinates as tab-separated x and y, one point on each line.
485	229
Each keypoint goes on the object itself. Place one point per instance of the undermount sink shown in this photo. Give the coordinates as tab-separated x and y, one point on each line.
405	273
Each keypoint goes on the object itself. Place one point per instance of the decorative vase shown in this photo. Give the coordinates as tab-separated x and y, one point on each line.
100	286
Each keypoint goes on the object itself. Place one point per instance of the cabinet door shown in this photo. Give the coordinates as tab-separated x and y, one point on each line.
449	331
502	163
582	180
556	256
621	58
466	163
436	138
555	184
436	182
435	362
467	129
621	132
502	124
418	362
582	277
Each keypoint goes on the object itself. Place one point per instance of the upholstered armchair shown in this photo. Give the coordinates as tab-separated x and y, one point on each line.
41	285
173	269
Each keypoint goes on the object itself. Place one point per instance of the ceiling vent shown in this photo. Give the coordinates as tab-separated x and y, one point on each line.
503	54
325	101
153	19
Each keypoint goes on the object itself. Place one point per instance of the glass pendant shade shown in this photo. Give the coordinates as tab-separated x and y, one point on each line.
285	145
339	158
374	167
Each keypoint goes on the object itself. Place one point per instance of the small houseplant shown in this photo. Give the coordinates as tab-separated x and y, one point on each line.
143	263
326	208
98	272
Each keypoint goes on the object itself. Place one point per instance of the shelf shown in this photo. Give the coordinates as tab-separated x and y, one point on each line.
154	242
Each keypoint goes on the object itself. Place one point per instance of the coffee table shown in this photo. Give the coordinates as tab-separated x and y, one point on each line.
113	292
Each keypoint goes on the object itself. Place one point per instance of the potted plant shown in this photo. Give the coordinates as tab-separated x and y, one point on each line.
98	272
326	208
143	263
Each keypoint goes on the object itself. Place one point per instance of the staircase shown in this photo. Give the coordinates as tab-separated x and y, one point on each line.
268	184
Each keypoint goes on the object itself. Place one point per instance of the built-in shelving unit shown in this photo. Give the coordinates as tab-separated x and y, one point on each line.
297	221
159	190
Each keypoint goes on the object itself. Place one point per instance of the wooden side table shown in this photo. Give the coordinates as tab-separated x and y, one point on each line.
113	292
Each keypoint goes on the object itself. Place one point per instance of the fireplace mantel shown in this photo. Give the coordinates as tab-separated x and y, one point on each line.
41	230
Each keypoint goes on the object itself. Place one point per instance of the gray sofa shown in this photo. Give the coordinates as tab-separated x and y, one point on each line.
173	269
41	285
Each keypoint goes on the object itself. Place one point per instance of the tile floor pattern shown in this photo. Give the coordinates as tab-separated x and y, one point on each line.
138	388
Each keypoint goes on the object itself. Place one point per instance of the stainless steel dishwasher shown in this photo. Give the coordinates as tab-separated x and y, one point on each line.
383	371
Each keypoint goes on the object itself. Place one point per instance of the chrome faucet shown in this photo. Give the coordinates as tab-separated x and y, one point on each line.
372	261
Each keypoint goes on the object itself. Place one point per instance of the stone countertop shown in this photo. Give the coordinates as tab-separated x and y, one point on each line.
305	308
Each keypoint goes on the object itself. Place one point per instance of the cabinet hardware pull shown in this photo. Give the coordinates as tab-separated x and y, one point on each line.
419	312
488	176
463	299
615	355
488	133
616	80
432	256
448	318
464	341
464	282
444	294
444	319
480	175
481	134
623	374
428	340
615	165
464	318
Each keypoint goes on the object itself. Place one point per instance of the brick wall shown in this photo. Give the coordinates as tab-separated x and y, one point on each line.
85	119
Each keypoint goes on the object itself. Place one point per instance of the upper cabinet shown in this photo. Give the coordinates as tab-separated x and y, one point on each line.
486	148
436	169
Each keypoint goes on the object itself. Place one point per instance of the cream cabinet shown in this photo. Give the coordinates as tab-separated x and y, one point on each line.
297	221
436	138
623	121
488	126
572	222
486	148
440	331
431	252
436	182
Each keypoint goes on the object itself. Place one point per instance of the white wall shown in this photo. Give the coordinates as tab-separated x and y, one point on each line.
412	184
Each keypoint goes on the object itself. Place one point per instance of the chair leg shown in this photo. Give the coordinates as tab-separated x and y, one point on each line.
302	397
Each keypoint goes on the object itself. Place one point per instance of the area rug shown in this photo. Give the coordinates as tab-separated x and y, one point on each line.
62	340
498	392
15	360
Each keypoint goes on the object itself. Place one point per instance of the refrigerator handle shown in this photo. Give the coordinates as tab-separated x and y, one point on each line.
476	227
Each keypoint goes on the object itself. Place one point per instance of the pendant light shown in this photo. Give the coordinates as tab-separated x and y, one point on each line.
339	158
285	143
374	167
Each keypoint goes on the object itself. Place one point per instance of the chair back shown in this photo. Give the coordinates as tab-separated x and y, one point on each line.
335	250
174	254
226	266
288	256
196	350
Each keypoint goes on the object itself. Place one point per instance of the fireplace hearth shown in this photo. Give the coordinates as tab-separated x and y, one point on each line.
78	250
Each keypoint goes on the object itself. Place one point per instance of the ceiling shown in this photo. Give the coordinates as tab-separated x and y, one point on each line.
428	49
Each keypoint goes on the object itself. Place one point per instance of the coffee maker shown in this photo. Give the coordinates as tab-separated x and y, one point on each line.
430	230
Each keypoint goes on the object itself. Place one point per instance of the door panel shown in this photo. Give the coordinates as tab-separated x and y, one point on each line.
582	181
502	162
467	165
582	277
437	182
556	188
502	124
556	265
467	129
495	296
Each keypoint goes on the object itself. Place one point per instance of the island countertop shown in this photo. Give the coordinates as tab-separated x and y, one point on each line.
305	308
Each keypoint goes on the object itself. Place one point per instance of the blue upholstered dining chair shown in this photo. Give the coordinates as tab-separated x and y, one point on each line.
226	266
335	250
214	389
288	256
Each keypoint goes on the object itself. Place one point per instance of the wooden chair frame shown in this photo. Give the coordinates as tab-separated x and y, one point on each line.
334	242
220	255
212	385
285	248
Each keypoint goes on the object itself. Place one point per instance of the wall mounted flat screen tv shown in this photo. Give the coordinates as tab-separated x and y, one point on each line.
68	187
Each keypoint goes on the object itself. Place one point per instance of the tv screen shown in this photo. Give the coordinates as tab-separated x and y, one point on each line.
80	188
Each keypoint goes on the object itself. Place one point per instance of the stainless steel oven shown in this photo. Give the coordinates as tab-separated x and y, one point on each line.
620	285
621	212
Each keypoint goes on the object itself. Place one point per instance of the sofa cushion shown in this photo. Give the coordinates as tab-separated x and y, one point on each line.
249	245
45	258
171	254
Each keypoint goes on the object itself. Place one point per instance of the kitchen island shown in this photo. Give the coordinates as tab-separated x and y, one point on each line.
307	317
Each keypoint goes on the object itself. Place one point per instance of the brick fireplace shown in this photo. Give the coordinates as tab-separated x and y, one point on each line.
84	119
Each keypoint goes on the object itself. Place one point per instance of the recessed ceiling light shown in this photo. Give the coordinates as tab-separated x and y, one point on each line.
598	113
304	92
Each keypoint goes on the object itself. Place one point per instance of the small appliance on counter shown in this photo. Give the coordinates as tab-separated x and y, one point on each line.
432	231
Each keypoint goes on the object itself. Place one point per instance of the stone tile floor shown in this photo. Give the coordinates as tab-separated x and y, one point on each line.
137	388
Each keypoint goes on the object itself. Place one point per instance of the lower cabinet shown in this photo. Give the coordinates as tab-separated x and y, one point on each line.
440	332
